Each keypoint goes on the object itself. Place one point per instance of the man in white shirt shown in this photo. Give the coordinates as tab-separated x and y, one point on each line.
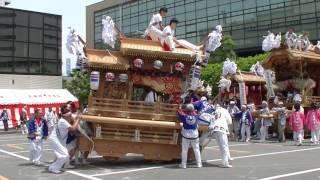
154	30
58	139
169	42
151	98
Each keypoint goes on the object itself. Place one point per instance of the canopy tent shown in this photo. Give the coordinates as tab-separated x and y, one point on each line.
15	99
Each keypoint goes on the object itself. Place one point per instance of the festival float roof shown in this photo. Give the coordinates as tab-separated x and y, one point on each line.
248	77
281	56
104	59
153	49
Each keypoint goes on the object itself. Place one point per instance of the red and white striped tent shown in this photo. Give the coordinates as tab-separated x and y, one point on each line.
14	100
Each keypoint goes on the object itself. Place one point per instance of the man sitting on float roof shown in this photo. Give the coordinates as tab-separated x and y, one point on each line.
154	30
169	42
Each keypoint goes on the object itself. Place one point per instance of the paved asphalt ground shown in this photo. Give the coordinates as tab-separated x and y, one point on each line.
251	161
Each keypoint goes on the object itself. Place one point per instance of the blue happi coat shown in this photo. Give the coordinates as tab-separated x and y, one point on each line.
32	128
245	117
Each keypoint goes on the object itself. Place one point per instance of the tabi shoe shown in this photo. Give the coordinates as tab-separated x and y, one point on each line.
226	165
55	172
199	165
183	166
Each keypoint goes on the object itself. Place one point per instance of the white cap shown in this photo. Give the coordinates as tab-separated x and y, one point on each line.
232	102
203	98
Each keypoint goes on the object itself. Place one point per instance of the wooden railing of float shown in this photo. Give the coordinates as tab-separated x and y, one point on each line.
127	109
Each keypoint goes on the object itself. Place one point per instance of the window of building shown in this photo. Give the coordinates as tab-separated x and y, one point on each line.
6	48
6	64
236	6
307	8
36	20
35	50
35	66
35	35
21	49
21	65
21	18
50	67
247	4
21	34
50	52
50	37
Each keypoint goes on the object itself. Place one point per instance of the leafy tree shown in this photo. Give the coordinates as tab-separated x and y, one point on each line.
245	63
79	86
226	50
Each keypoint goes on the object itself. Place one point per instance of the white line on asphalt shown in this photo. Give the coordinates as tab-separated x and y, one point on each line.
71	172
15	155
212	160
291	174
83	175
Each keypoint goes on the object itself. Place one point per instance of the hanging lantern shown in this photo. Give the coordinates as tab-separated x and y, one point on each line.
179	66
109	76
123	77
94	80
157	64
138	63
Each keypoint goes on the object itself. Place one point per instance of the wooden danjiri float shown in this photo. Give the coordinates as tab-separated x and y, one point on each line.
123	119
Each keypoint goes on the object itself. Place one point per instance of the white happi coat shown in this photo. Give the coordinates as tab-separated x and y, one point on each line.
221	121
58	140
153	30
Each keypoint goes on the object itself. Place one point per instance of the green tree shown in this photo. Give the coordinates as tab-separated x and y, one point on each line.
245	63
226	50
79	86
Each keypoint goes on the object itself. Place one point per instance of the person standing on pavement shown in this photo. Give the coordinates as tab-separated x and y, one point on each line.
37	132
282	118
297	121
24	120
5	118
313	122
219	128
50	117
246	122
233	109
58	139
190	134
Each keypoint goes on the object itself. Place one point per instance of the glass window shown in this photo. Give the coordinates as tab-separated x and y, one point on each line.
277	13
252	17
201	4
292	11
224	9
6	31
50	37
265	15
50	67
50	52
6	16
35	66
247	4
21	18
21	34
36	20
35	35
21	65
307	8
6	48
21	49
237	19
35	50
262	2
236	6
6	64
201	13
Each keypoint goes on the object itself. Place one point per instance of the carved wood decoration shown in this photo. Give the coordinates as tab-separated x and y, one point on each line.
115	90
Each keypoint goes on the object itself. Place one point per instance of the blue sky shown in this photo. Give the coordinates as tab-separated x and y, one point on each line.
72	11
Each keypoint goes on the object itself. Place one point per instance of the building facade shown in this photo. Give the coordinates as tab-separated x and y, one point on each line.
247	21
30	49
